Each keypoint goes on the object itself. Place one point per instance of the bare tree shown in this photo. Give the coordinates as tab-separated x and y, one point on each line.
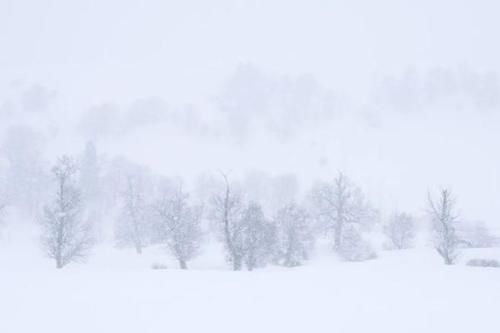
226	211
66	236
400	231
338	205
444	226
179	225
294	235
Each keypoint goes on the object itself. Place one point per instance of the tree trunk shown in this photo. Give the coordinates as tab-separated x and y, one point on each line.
251	262
138	248
182	264
59	263
236	264
445	255
338	237
289	251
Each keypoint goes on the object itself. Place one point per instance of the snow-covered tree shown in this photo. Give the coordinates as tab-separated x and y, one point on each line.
294	235
133	225
400	231
178	224
227	207
445	221
340	205
245	231
66	235
257	236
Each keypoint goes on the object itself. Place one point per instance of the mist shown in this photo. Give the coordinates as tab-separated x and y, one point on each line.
144	107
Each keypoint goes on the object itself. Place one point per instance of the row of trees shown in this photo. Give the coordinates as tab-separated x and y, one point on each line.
163	212
250	239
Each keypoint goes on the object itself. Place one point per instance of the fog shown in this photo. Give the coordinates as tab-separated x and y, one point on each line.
120	50
342	156
400	95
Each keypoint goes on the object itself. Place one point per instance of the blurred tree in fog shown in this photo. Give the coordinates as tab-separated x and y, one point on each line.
25	176
294	235
178	224
257	237
339	206
133	225
400	231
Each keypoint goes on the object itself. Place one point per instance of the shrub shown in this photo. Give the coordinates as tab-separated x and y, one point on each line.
158	266
483	263
355	248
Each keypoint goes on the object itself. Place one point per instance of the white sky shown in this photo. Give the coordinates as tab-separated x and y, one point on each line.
181	49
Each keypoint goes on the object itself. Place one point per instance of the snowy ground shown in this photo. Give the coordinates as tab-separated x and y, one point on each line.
117	291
